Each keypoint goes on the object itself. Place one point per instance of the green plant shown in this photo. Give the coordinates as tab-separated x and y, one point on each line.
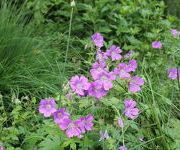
45	55
28	63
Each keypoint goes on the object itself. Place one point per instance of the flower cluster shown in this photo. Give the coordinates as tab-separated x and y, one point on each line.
102	76
130	111
158	44
173	73
62	118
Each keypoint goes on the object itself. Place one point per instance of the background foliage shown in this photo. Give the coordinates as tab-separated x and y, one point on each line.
33	43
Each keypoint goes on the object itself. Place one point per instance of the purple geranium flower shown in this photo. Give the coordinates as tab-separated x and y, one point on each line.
96	89
104	135
70	127
100	64
98	39
85	123
132	65
114	53
97	72
174	32
100	55
80	136
122	71
130	111
156	44
2	148
120	122
135	83
47	107
106	79
122	148
79	84
98	68
60	114
173	73
130	103
69	96
129	54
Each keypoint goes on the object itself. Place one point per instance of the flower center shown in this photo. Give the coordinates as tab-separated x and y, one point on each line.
71	125
84	122
113	54
96	88
104	78
79	86
133	81
59	115
122	71
48	106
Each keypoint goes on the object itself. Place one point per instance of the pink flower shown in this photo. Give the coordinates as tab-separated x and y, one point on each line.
99	55
104	135
156	44
130	111
79	85
60	114
122	148
98	39
114	52
97	72
98	68
173	73
122	71
106	79
129	54
80	136
85	123
174	32
2	148
132	65
100	64
120	122
135	83
96	89
70	127
47	107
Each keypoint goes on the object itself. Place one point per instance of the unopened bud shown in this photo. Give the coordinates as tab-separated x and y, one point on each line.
73	4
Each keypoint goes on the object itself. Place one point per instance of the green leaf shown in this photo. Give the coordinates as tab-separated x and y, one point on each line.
73	146
51	143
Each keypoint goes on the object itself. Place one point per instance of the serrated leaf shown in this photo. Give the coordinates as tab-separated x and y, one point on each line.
51	143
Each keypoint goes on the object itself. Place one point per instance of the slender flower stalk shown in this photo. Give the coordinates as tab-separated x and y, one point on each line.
68	40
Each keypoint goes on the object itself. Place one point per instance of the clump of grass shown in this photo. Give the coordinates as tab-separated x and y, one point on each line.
28	64
160	107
